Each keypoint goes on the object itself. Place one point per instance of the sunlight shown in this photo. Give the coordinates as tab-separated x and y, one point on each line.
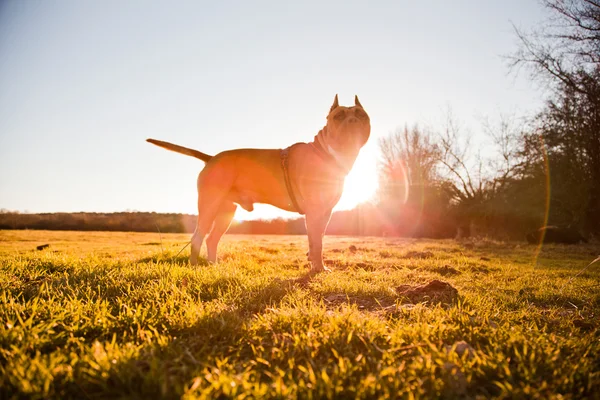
262	211
361	183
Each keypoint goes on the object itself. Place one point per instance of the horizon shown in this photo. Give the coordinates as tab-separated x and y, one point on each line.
84	84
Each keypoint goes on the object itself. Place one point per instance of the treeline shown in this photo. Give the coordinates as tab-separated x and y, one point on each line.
138	222
366	219
84	221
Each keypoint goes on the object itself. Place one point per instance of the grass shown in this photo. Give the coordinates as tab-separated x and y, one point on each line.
108	315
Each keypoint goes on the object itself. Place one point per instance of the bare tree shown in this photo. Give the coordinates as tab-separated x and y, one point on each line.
413	150
507	136
462	167
424	173
566	48
565	53
410	193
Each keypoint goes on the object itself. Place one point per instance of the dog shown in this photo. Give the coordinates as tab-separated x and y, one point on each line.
307	178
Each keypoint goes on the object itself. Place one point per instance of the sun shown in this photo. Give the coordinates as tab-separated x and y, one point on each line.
361	183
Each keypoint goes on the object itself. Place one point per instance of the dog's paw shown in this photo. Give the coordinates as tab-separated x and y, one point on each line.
317	270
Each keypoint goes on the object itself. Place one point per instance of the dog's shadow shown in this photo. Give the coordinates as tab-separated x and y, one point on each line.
181	260
304	280
211	336
184	261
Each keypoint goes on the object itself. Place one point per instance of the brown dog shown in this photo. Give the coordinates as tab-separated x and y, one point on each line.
307	178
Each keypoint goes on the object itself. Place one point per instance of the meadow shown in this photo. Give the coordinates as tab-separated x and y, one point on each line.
122	315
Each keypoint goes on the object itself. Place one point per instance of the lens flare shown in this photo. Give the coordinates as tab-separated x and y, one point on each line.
548	188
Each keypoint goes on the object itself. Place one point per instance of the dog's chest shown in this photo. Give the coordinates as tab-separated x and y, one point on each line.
318	186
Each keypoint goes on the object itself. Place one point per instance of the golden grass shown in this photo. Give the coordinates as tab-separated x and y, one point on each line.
118	315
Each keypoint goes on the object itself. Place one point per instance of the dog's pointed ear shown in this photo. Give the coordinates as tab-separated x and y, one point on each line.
356	102
335	104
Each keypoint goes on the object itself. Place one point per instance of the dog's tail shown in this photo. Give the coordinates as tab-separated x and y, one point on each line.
180	149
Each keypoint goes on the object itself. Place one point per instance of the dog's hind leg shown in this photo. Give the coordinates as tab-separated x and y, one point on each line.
220	226
207	212
202	227
214	184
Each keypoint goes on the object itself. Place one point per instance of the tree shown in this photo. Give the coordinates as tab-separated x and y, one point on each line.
411	196
437	184
475	182
564	54
415	150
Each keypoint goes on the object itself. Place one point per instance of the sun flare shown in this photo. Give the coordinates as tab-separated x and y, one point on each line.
361	183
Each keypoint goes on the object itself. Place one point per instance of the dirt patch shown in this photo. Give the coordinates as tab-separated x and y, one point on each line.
269	250
419	254
480	269
353	249
584	325
446	270
461	348
335	263
435	291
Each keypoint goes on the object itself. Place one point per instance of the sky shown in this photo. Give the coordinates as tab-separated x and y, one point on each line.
83	84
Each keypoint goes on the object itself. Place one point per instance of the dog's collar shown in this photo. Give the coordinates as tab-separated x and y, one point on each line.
327	154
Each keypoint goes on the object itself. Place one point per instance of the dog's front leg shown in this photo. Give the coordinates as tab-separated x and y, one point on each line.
316	223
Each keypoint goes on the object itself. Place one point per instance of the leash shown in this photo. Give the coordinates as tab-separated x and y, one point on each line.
188	243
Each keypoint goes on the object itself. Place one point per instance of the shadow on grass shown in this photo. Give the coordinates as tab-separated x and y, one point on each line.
345	265
166	370
169	360
363	301
179	260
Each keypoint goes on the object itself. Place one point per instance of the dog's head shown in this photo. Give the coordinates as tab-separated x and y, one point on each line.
348	129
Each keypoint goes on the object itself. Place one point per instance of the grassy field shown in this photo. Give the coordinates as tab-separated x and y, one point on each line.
107	315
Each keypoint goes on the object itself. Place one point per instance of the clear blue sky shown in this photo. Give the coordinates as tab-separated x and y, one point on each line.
83	84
